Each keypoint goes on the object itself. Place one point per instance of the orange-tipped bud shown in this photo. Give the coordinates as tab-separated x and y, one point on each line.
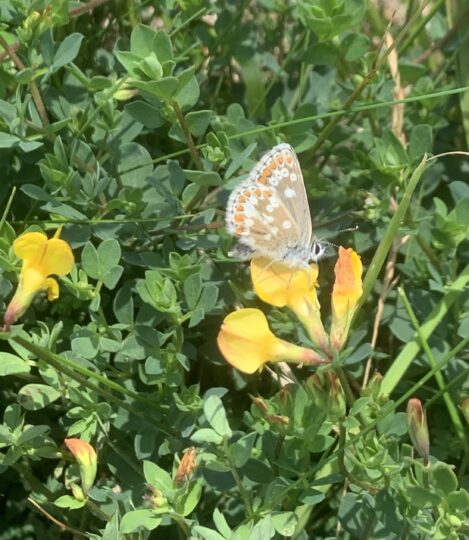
345	295
87	461
417	427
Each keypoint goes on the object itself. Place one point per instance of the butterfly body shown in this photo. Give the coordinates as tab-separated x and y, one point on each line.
269	212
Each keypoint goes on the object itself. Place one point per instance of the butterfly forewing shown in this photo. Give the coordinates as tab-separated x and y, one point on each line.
257	215
269	211
280	169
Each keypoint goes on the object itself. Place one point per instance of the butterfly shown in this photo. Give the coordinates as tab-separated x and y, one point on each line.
269	212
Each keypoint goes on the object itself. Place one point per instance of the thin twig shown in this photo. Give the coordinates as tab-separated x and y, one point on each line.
86	7
41	109
397	121
62	526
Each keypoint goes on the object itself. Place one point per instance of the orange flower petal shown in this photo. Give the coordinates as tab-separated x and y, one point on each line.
348	282
345	295
87	460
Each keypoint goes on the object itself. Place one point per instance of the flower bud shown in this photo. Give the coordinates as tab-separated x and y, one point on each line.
345	295
87	461
417	428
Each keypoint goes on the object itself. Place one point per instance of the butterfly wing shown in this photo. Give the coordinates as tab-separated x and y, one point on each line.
281	170
257	215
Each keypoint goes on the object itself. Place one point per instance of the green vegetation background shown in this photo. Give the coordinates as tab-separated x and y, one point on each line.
129	122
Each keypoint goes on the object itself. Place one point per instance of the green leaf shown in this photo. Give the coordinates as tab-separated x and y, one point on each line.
148	115
355	46
206	435
163	89
444	479
109	254
239	160
69	502
11	364
8	141
139	519
37	396
33	432
192	289
67	51
187	93
186	504
207	534
216	415
221	524
141	40
203	178
421	142
421	497
162	47
157	477
198	122
458	501
134	165
90	261
284	522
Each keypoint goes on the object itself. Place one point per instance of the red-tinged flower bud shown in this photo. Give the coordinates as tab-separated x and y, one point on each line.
417	427
87	461
345	295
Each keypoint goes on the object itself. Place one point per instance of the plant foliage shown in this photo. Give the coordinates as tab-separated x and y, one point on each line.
127	124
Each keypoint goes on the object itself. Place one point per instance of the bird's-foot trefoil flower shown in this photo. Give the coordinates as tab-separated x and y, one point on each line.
42	257
346	292
418	428
87	461
279	285
247	343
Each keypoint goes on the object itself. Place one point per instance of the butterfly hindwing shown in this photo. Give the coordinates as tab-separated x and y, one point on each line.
257	215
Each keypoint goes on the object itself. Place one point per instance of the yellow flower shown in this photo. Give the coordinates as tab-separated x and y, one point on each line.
41	257
246	342
345	294
87	461
279	285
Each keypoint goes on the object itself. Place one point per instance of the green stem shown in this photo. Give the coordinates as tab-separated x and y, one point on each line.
452	409
239	483
84	375
411	349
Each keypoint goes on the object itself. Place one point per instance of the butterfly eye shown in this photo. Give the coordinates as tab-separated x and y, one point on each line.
317	250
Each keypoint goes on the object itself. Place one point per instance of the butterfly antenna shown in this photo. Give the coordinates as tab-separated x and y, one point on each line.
348	229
